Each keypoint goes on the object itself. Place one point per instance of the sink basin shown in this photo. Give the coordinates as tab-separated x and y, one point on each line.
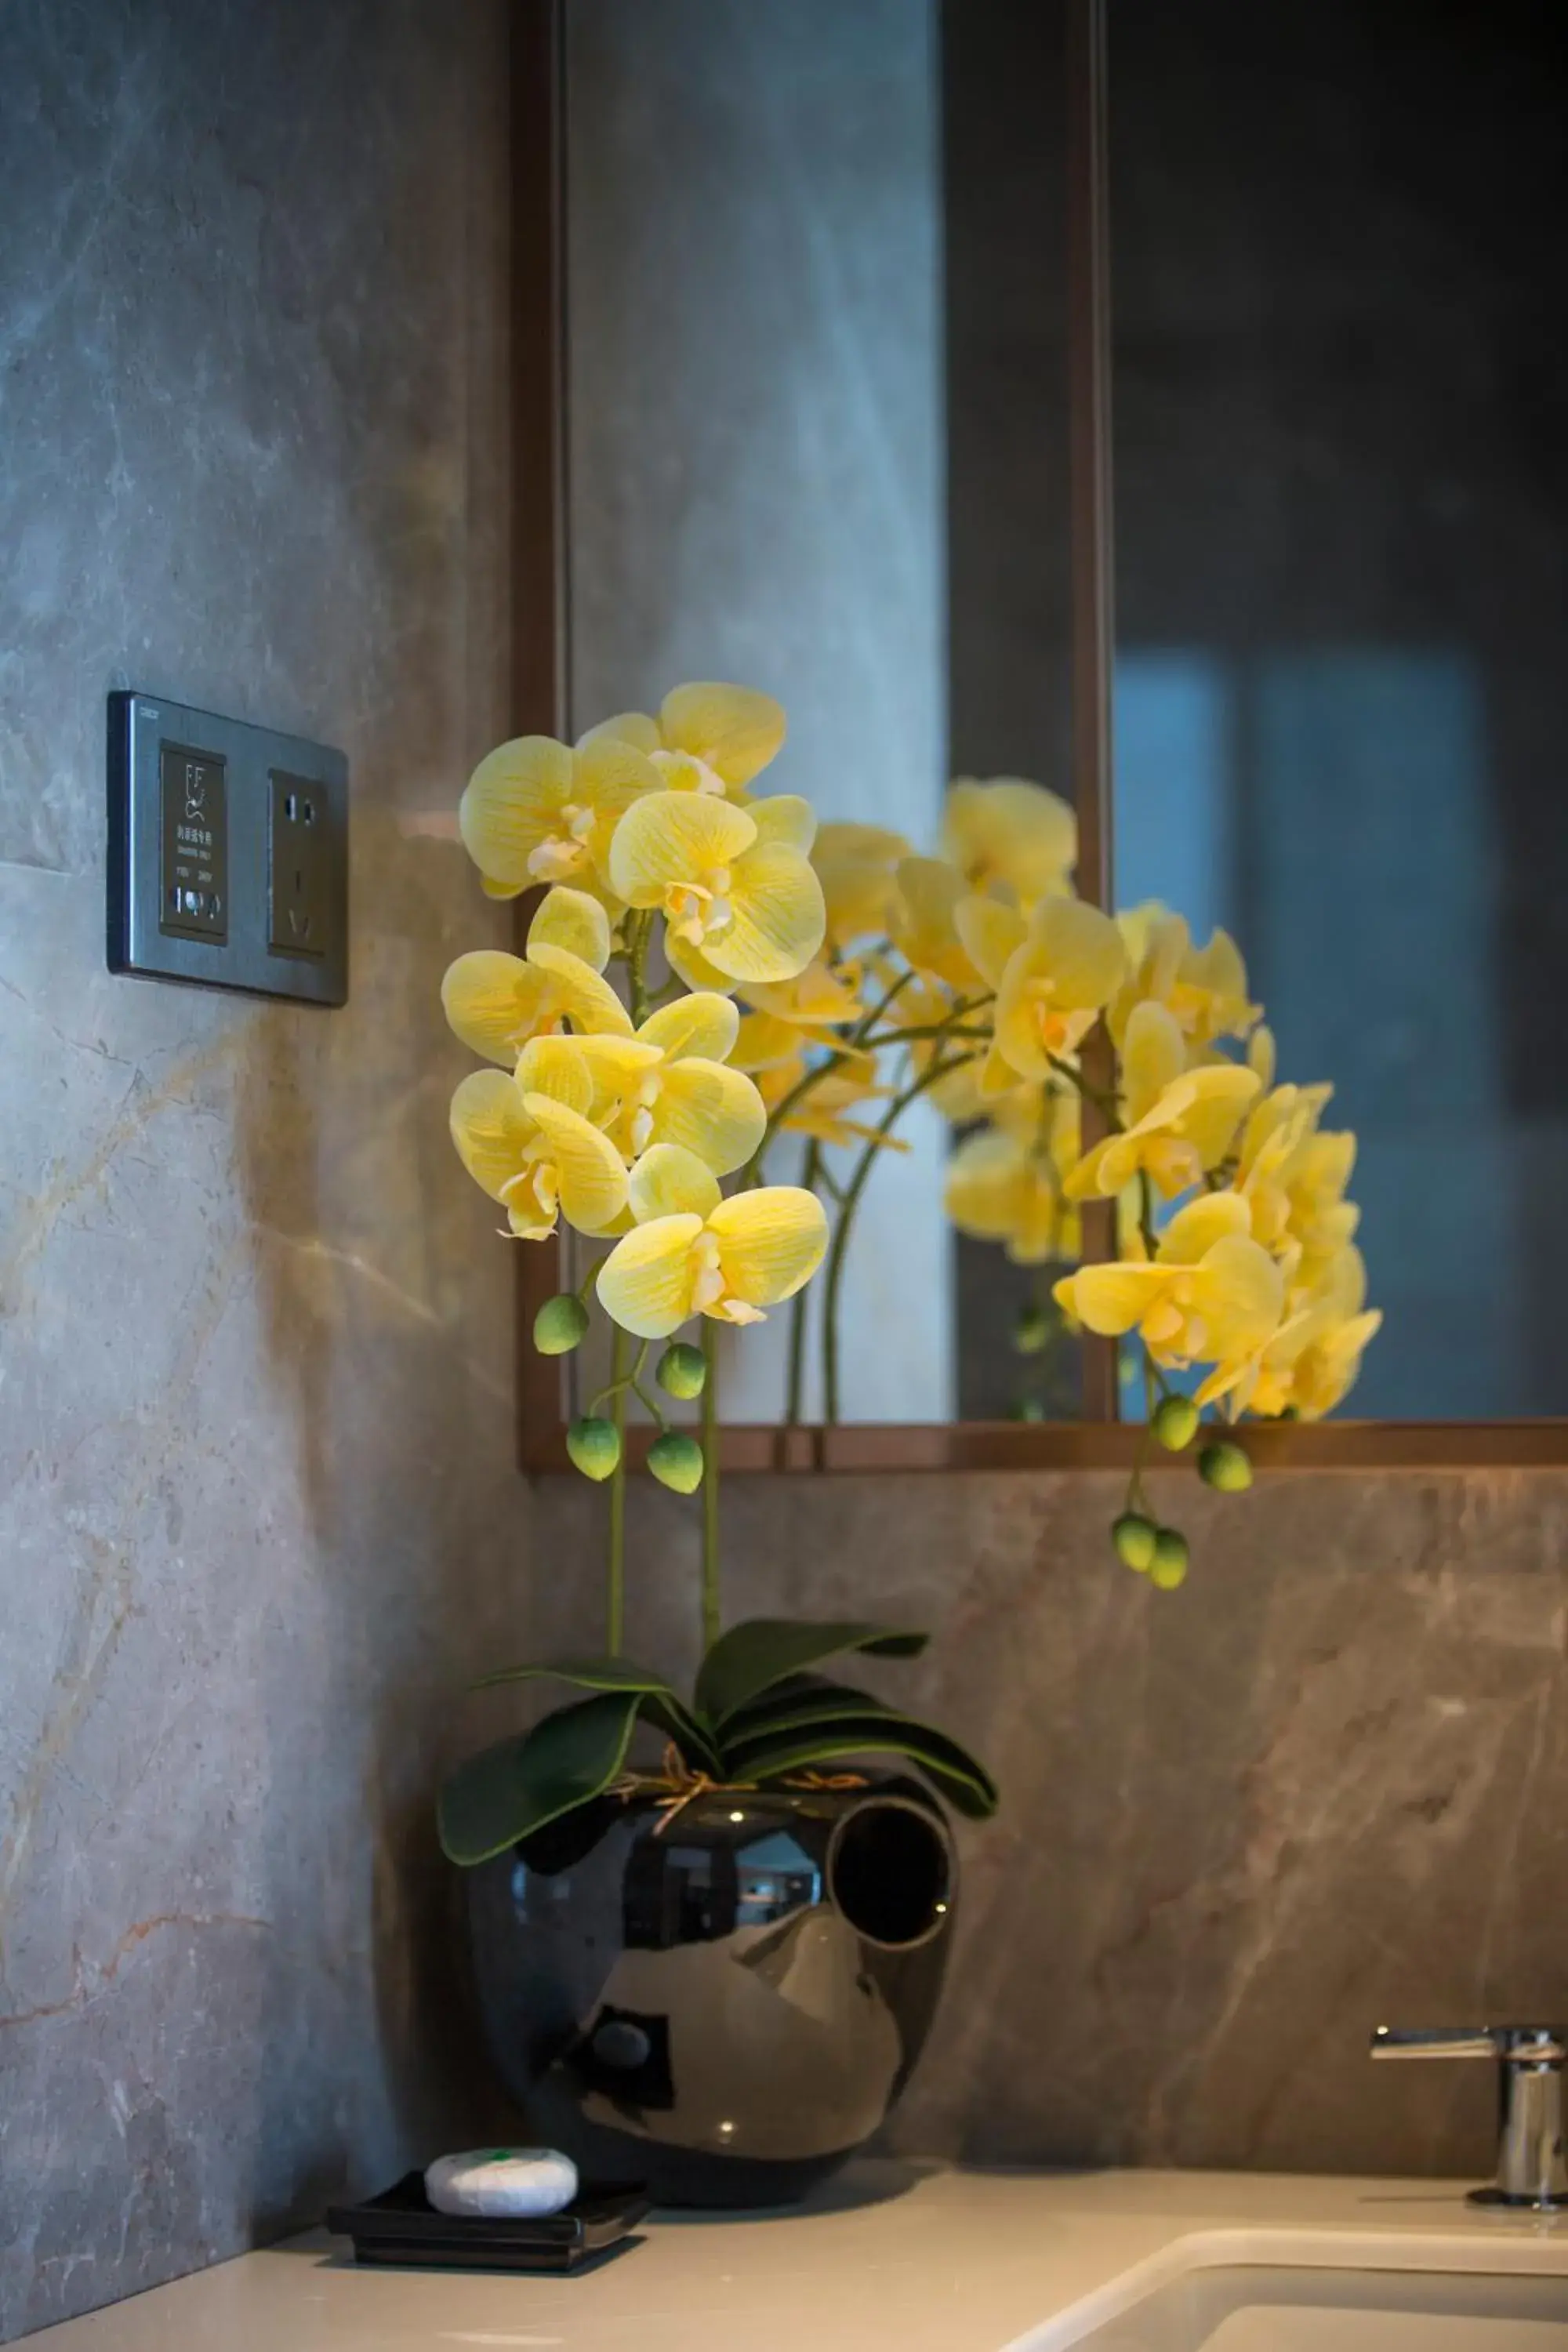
1195	2300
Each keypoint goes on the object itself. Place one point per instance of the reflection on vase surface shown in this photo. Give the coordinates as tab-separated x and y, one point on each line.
723	1997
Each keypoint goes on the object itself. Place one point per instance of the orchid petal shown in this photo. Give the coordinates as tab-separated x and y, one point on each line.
645	1285
490	1128
734	728
667	839
494	1002
582	993
632	726
511	803
669	1181
784	818
771	1242
778	921
592	1176
704	1023
572	920
714	1111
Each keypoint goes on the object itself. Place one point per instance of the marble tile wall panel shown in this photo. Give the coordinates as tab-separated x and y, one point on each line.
1323	1786
258	1515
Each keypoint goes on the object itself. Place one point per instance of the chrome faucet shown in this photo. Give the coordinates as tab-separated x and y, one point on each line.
1531	2169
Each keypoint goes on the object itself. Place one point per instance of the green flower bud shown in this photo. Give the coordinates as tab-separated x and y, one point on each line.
1169	1567
676	1460
681	1371
1226	1466
1134	1538
560	1324
1032	1332
1175	1423
595	1445
1027	1409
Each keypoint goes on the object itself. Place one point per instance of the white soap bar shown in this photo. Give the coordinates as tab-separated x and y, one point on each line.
516	2182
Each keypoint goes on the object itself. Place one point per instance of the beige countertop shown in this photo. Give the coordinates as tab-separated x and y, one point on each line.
890	2258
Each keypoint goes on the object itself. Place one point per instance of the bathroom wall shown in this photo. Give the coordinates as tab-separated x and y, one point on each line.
258	1515
1324	1785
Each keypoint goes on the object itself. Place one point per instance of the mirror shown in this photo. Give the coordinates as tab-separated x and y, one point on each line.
1342	701
816	425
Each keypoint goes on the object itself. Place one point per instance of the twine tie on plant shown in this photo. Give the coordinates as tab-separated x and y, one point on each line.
677	1785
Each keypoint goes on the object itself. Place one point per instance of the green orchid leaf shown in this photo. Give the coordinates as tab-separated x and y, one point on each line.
510	1790
659	1705
588	1674
802	1699
751	1658
665	1712
951	1769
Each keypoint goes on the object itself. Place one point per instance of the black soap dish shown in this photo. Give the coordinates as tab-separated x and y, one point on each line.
401	2227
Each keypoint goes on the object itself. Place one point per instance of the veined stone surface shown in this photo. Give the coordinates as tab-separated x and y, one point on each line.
1323	1787
258	1520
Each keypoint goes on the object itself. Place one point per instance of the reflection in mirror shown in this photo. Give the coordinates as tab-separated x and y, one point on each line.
1341	697
815	423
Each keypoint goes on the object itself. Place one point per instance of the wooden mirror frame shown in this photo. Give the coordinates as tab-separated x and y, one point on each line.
540	649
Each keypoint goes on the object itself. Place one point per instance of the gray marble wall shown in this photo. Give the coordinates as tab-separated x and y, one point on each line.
1323	1786
257	1516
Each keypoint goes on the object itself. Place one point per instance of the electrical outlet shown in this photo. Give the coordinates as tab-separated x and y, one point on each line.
301	867
227	853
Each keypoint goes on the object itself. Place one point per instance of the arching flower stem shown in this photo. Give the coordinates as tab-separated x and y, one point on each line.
711	1613
938	1069
615	1606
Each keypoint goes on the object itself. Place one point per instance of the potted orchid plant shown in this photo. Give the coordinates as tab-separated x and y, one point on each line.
712	981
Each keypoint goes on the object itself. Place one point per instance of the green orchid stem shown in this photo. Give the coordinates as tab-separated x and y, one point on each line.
615	1599
650	1405
939	1068
641	930
587	1282
912	1036
855	1043
711	1599
1146	1213
811	1174
621	1379
1136	1498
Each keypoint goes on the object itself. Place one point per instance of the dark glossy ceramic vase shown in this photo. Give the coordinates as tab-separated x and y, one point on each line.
723	2000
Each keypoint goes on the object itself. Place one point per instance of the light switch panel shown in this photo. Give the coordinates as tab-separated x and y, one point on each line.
227	853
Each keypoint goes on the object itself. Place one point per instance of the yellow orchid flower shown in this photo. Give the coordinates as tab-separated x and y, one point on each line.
536	811
734	883
1054	984
1204	989
1004	1183
706	738
1272	1153
1326	1368
1181	1122
1010	839
1211	1293
528	1141
670	1084
495	1002
1311	1363
691	1251
856	866
923	924
1322	1220
816	1004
